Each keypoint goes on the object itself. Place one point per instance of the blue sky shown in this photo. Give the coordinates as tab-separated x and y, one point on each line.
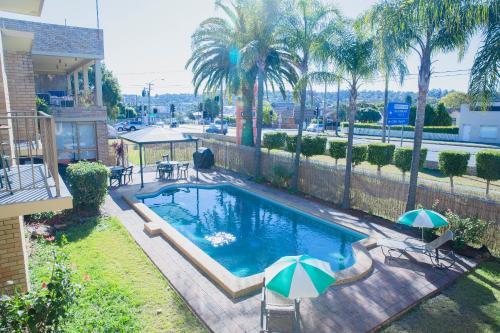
150	40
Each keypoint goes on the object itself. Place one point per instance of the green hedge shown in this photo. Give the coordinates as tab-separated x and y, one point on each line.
338	150
488	166
274	140
88	182
380	154
291	143
313	145
427	129
359	154
403	156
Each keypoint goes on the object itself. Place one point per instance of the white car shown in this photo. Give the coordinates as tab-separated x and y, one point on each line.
315	128
160	123
134	126
120	127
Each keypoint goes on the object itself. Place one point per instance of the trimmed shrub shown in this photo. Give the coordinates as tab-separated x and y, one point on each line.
427	129
274	140
313	145
359	153
380	154
453	163
281	176
291	143
488	166
88	182
402	158
338	150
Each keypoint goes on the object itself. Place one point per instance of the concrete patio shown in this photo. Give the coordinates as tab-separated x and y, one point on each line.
394	285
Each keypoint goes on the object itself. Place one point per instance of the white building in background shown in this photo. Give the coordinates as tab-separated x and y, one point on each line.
480	126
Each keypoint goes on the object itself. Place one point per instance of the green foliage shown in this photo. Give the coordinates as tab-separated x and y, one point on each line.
40	217
403	156
88	184
313	145
45	307
212	107
427	129
453	163
42	106
338	149
488	164
469	231
368	114
281	176
267	119
291	143
454	100
359	154
441	117
380	154
274	140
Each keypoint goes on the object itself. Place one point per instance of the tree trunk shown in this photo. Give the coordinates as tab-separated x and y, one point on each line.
337	112
424	75
260	107
324	109
248	98
386	112
296	162
221	108
451	184
346	202
487	187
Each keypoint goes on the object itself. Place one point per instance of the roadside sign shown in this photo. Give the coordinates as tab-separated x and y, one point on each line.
398	113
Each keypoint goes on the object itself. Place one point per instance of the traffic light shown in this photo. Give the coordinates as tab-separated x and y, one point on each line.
316	111
143	92
205	114
216	99
172	109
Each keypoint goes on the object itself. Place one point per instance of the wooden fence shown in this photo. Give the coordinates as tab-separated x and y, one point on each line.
383	196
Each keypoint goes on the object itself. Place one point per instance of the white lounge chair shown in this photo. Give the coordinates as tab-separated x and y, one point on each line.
444	260
277	313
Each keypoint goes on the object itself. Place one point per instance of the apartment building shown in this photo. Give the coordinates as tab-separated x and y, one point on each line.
61	65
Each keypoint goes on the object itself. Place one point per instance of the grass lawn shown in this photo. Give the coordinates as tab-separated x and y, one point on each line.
123	292
472	304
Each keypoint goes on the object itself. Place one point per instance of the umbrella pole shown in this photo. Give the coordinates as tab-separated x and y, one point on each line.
422	233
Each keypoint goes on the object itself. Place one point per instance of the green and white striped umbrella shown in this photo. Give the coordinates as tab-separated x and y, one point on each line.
423	218
299	276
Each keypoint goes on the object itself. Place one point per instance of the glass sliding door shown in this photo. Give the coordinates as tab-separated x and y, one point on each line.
76	141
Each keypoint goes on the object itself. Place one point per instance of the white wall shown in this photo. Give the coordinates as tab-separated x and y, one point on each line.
479	126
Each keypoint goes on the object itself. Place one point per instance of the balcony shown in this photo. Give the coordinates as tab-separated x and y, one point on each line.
29	176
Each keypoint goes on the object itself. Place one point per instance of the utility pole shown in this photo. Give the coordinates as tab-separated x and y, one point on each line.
149	98
221	108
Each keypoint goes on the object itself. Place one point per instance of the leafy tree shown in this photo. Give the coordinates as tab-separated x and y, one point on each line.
269	117
368	114
380	154
42	106
454	100
305	23
313	145
212	108
355	56
359	154
337	150
453	164
441	116
488	166
427	28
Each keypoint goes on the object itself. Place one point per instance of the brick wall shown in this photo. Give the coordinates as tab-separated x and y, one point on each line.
13	258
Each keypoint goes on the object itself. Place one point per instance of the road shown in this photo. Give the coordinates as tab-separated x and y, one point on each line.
433	147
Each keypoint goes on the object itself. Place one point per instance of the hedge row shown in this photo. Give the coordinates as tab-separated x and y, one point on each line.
311	145
427	129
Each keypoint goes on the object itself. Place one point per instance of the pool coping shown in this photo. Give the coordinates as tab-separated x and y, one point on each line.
232	285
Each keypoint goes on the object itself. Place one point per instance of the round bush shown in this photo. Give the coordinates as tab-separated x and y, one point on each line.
291	143
380	154
274	140
359	153
88	183
488	166
338	149
453	163
403	156
313	145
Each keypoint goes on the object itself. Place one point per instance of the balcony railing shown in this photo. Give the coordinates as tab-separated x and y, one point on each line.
28	154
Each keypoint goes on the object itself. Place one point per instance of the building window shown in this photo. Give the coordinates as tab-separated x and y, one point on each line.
488	132
76	141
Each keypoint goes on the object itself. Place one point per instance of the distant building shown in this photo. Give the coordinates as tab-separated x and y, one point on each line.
480	126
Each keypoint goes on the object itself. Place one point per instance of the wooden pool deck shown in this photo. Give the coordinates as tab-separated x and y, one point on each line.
392	287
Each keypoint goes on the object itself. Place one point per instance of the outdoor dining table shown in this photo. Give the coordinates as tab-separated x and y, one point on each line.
174	164
116	173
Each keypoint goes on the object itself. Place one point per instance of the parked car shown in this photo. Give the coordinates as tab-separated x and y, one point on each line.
315	128
112	133
135	125
120	127
160	123
215	129
217	122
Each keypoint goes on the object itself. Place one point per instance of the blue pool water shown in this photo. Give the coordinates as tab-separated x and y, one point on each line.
246	233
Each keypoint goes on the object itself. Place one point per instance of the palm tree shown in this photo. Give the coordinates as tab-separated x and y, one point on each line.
426	27
305	23
355	56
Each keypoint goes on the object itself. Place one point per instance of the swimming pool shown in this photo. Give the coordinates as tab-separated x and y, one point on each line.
246	233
